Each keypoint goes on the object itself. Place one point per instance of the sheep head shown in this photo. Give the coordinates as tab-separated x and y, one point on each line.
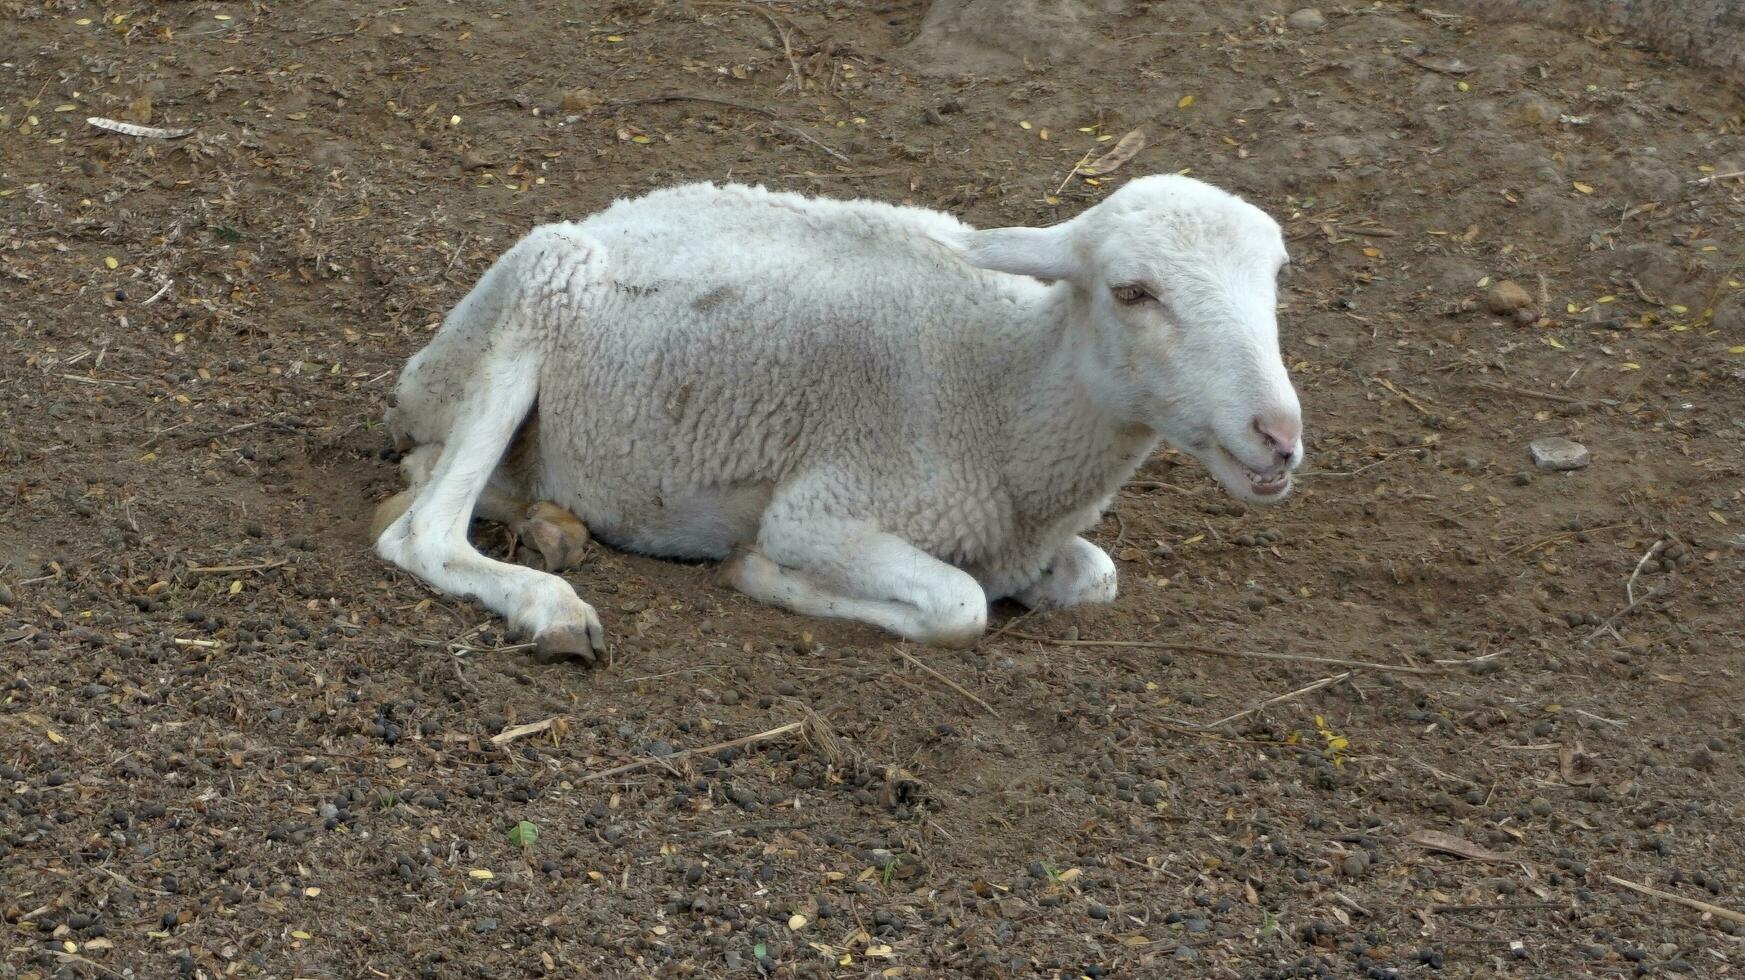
1173	296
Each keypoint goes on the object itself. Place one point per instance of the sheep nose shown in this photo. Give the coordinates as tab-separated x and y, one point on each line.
1283	434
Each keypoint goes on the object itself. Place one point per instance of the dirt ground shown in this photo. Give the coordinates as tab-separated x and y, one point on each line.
234	743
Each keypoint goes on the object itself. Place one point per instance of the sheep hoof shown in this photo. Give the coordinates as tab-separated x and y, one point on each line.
387	512
585	642
558	535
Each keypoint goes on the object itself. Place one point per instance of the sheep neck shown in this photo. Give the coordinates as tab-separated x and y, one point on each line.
1069	450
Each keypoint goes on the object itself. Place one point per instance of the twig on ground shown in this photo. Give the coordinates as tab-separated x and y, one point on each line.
801	134
787	49
261	566
774	122
812	728
1269	702
1708	179
508	735
1002	631
1404	395
1352	904
1648	556
1658	590
679	97
948	682
1532	546
1528	392
1238	654
673	673
1691	903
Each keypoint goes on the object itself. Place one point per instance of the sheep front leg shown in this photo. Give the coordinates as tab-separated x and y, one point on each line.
849	570
429	539
1080	574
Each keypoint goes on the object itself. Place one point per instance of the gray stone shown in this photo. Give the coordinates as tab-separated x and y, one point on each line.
1306	19
1557	453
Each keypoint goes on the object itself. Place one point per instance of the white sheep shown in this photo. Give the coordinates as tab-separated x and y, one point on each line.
877	412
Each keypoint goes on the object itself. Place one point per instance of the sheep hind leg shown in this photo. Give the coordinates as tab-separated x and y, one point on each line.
429	538
849	571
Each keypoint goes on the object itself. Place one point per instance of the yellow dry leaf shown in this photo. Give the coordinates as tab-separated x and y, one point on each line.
1069	874
65	107
1607	299
1374	253
54	736
1196	539
220	16
1680	309
880	951
235	586
1736	350
311	892
111	262
1483	282
1043	132
480	874
847	960
1705	168
613	39
1571	308
1553	341
1463	86
1631	366
83	22
1050	199
454	120
1119	154
1184	102
1584	188
1717	518
644	140
299	934
1023	124
796	922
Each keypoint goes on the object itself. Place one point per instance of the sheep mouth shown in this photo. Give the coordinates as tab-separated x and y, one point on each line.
1260	484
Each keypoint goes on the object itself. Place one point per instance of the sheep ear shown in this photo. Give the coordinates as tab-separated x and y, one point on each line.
1045	253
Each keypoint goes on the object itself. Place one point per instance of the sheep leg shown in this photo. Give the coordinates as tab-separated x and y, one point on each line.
1081	573
559	536
429	538
848	570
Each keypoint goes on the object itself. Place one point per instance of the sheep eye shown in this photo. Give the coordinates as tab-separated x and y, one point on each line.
1131	294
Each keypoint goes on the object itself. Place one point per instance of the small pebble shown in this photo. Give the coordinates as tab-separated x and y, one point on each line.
1555	453
1306	19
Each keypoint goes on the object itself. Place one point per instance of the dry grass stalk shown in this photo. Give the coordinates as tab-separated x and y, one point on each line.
1238	654
948	682
1691	903
813	730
